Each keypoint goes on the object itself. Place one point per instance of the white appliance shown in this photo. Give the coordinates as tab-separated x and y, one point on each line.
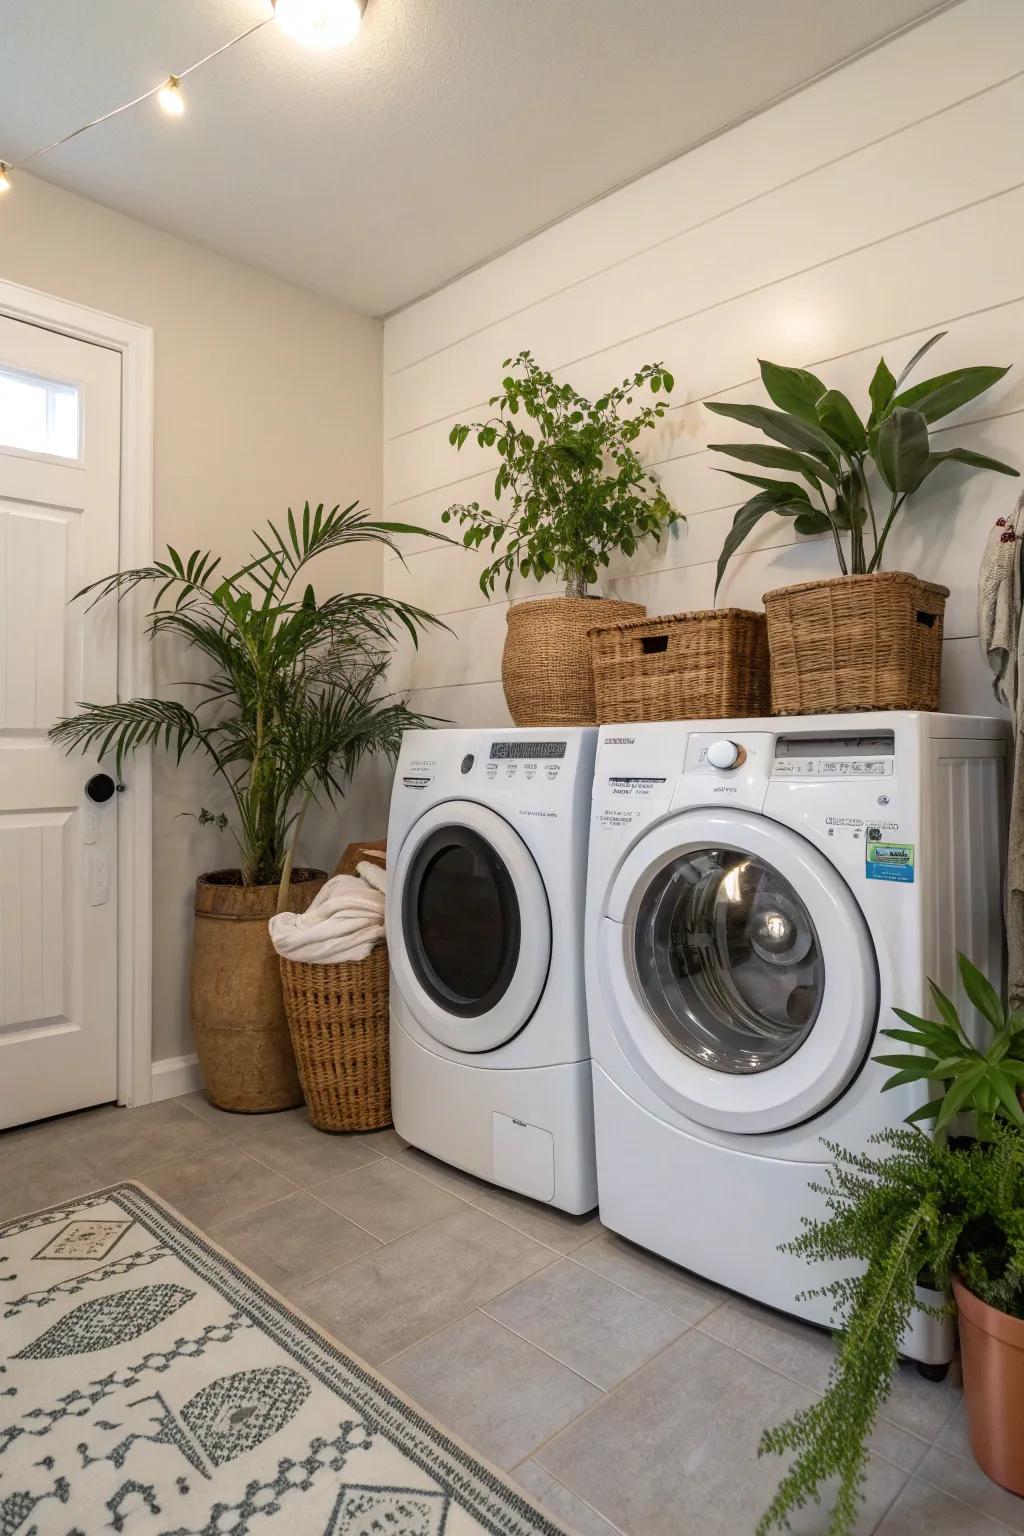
760	894
487	856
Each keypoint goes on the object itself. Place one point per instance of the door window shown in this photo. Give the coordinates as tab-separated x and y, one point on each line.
38	415
461	921
728	960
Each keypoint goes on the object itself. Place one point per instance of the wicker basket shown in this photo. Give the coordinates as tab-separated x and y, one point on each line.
856	642
361	853
545	666
684	666
338	1020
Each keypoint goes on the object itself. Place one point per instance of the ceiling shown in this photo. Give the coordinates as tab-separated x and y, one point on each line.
450	130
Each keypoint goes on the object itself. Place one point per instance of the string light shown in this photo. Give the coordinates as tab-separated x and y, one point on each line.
170	98
318	23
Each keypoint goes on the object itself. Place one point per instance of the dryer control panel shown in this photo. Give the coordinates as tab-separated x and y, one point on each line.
800	756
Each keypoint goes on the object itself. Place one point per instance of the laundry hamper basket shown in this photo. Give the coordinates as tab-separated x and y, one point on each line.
707	665
338	1021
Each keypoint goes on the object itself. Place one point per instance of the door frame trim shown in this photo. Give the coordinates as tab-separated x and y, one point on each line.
134	662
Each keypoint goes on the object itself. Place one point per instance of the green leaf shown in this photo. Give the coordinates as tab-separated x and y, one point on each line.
966	456
981	992
812	522
840	420
946	1007
777	458
936	397
881	389
791	431
1007	1097
782	490
792	389
748	516
959	1095
901	449
927	346
923	1065
926	1111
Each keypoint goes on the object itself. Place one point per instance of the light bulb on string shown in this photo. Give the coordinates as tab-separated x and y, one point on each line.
5	180
170	98
320	23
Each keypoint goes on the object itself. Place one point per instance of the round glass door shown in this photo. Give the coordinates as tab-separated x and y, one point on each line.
460	918
728	960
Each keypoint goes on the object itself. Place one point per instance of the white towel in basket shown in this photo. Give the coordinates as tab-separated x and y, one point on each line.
343	922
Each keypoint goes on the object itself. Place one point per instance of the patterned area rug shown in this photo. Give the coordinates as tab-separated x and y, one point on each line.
148	1385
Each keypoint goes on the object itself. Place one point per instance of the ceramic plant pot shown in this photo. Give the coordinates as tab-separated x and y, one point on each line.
992	1349
238	1017
546	668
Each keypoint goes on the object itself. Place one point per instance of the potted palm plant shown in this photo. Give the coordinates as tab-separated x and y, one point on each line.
290	700
929	1212
577	492
868	638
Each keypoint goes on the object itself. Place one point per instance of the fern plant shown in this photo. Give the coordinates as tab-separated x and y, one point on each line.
292	694
921	1211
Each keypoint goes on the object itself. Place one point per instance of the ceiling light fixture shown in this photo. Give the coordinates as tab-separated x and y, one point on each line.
320	23
170	98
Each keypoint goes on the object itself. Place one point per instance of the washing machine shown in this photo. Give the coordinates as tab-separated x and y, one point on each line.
761	893
487	854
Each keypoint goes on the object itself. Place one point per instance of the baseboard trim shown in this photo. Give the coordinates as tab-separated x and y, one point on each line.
174	1076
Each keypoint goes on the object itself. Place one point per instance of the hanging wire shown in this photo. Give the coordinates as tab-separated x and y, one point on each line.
16	165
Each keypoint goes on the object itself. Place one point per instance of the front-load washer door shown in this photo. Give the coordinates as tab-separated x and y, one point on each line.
470	932
738	970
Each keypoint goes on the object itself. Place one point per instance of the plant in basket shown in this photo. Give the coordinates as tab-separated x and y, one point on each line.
291	697
577	493
853	478
926	1212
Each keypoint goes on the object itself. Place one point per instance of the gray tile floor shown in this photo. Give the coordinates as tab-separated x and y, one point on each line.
624	1394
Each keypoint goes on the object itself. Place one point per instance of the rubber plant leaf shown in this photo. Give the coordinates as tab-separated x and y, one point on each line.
805	436
792	389
901	449
840	420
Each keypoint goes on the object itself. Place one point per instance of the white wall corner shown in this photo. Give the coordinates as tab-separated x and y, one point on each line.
174	1076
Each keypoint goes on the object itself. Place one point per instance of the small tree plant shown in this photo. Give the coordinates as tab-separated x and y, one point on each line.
576	487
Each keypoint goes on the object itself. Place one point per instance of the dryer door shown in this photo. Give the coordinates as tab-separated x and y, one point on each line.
738	970
469	927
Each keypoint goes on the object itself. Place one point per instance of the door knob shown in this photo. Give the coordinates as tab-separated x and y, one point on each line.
101	788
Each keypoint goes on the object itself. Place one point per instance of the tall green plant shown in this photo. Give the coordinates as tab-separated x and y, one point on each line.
578	490
291	686
925	1210
823	440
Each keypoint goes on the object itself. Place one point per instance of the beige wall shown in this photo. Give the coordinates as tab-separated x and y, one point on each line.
265	396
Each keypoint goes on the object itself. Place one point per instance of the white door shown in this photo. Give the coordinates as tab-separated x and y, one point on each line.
738	971
469	927
60	411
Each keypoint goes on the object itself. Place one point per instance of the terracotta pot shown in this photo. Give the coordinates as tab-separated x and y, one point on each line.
992	1350
238	1017
546	668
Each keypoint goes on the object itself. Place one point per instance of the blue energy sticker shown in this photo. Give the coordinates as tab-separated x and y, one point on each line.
889	861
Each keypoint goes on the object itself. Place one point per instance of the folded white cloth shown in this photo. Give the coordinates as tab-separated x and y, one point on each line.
374	875
343	922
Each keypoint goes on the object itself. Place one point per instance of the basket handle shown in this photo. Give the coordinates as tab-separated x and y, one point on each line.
927	619
653	645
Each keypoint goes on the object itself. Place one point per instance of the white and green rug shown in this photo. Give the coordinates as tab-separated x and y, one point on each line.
148	1385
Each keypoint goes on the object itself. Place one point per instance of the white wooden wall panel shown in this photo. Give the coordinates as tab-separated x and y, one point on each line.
882	204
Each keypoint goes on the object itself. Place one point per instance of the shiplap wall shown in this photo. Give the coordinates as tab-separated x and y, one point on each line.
879	205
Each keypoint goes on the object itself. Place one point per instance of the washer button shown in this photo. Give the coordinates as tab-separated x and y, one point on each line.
467	762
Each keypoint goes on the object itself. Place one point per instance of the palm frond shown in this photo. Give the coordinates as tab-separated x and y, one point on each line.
124	727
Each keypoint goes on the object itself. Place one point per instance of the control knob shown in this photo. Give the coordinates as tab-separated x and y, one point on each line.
725	754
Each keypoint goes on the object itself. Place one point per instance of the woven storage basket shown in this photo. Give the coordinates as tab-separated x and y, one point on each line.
684	666
361	853
856	642
338	1019
545	666
238	1018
